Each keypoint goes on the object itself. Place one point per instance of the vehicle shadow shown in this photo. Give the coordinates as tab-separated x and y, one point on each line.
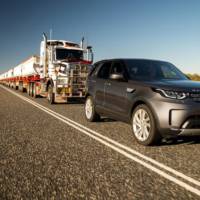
105	119
188	140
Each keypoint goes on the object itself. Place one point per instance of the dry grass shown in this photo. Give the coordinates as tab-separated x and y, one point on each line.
194	77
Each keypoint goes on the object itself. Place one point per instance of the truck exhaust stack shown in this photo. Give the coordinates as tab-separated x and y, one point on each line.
44	55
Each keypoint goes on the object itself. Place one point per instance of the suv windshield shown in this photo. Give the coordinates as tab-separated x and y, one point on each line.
69	54
153	70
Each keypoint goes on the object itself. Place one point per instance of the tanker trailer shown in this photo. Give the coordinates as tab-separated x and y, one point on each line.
27	73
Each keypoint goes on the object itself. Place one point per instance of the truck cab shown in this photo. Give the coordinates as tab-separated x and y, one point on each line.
64	67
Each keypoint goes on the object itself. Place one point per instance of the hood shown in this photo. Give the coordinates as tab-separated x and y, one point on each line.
179	85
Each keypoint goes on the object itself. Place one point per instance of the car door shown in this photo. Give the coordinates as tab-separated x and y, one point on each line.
101	79
116	92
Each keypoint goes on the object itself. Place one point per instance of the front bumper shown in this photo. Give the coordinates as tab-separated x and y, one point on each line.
177	117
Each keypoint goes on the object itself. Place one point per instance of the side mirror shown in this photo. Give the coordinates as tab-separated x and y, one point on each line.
117	77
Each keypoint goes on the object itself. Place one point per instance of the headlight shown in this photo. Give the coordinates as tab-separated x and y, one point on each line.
172	94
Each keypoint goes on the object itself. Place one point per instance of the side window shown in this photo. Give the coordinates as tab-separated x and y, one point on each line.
117	67
104	71
169	72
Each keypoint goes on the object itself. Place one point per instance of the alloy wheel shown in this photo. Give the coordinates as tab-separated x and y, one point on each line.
88	108
141	124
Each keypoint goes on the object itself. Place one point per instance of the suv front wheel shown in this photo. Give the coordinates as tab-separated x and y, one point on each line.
144	126
90	112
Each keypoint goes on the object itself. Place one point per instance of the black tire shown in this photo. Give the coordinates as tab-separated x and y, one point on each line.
20	87
29	89
34	91
93	116
50	95
151	135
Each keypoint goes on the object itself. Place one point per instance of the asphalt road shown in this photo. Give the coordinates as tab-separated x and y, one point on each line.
43	157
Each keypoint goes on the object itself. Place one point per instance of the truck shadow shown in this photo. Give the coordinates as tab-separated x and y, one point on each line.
71	102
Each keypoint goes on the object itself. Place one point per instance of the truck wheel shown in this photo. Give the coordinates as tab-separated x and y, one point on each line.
144	126
90	112
34	94
50	95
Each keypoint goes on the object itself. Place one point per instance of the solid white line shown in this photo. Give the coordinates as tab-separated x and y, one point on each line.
147	165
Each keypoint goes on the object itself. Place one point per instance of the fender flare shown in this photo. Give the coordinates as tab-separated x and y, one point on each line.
141	100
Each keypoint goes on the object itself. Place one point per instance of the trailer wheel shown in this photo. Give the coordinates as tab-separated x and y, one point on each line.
50	95
28	89
16	87
20	86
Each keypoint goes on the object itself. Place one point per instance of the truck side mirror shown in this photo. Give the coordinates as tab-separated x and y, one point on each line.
89	47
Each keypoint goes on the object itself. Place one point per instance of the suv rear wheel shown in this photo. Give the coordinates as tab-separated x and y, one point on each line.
90	112
144	126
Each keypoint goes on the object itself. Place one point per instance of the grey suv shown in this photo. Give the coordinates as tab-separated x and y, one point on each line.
156	98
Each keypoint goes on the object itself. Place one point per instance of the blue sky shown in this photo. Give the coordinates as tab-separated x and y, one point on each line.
166	30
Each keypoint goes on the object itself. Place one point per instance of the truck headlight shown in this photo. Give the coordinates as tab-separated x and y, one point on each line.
172	94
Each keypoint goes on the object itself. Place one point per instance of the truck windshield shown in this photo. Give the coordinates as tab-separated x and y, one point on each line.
69	54
153	70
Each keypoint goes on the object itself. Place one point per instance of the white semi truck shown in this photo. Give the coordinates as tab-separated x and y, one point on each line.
59	73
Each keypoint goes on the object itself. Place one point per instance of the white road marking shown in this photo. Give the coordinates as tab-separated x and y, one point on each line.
121	149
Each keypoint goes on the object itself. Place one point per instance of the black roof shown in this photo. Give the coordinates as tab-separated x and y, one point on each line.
128	59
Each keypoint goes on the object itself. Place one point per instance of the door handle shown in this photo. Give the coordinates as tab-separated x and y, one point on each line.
130	90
